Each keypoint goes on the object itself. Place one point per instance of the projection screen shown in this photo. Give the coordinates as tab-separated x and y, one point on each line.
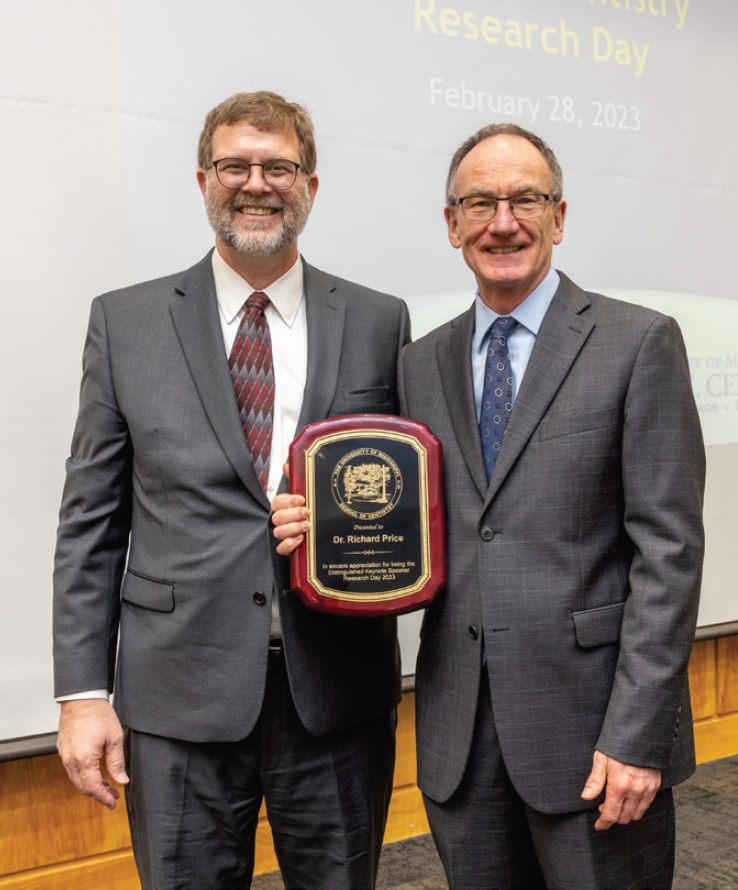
101	103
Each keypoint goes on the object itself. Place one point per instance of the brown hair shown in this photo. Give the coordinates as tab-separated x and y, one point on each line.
265	111
557	177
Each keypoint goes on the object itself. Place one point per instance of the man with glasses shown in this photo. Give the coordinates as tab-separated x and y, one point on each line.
552	675
229	691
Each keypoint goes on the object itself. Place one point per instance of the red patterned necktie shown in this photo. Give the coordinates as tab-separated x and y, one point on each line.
252	372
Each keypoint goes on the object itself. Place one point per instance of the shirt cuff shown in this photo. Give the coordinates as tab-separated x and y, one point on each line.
89	693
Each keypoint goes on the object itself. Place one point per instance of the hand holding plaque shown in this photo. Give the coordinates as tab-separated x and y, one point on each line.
373	485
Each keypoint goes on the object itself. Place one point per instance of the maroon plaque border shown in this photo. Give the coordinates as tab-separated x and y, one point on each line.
361	426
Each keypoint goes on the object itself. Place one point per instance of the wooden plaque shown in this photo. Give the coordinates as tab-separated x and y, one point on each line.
374	487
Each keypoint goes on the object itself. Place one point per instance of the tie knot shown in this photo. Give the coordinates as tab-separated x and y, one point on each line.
503	327
258	301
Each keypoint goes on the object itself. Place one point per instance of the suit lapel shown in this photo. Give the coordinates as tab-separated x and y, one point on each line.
326	316
454	361
195	316
562	335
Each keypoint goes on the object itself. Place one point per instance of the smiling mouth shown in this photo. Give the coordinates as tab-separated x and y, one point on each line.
257	210
497	250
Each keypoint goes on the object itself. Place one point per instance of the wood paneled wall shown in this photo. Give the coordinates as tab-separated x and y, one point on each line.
52	838
713	680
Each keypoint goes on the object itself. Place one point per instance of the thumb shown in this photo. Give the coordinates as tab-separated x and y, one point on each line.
116	763
596	780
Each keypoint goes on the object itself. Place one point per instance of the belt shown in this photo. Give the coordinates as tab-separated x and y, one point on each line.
276	653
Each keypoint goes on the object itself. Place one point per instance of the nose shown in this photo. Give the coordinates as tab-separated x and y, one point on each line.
256	182
504	222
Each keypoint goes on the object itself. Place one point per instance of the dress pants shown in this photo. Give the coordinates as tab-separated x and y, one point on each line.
193	808
488	837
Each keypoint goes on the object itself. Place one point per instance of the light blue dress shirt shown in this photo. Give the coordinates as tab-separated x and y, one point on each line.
529	315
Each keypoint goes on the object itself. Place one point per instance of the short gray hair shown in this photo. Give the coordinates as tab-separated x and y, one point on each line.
557	177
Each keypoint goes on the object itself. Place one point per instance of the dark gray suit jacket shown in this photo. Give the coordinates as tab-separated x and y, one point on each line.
580	563
165	562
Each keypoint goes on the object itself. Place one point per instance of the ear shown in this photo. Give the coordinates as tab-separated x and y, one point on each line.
559	216
453	226
202	180
312	187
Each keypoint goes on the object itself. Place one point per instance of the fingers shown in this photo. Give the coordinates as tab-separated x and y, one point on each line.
290	520
291	543
629	791
89	780
285	502
622	806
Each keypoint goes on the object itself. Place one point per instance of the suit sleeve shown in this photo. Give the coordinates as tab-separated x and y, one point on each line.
404	333
663	474
403	338
94	527
401	383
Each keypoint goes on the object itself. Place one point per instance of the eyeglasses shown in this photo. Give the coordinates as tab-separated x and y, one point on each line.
484	207
233	173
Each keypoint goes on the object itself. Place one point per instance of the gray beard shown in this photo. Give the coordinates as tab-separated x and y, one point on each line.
257	240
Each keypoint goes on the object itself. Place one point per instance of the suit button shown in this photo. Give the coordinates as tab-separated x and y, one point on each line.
259	598
487	533
473	632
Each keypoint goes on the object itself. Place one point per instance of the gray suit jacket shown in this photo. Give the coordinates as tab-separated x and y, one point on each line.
580	563
165	561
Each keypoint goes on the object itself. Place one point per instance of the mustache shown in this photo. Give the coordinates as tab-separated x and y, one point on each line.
240	201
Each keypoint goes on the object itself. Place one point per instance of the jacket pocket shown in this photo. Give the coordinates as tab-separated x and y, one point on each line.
147	593
565	424
600	626
370	400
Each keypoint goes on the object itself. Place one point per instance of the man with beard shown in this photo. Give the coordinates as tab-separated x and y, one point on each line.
227	689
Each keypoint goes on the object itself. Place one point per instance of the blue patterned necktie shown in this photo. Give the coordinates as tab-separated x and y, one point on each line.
497	393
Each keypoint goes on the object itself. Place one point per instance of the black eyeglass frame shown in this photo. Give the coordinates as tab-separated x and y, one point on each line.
235	188
548	199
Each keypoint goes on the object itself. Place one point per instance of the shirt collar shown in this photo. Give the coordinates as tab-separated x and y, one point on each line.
232	291
529	313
